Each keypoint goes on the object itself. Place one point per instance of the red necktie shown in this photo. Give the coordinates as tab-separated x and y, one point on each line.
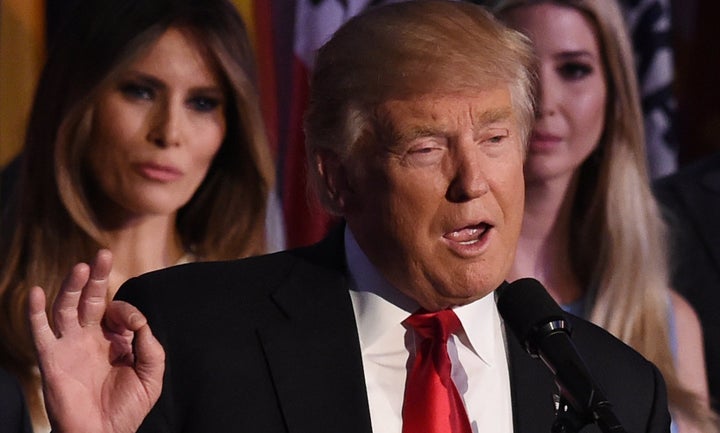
432	402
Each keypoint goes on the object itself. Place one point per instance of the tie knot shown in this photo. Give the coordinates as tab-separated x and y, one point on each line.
435	325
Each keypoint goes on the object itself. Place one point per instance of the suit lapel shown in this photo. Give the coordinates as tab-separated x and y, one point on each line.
314	357
532	387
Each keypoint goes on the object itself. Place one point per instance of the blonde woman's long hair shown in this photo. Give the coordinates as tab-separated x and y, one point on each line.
615	211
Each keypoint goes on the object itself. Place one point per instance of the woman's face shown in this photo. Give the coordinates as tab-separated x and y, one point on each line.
573	89
156	130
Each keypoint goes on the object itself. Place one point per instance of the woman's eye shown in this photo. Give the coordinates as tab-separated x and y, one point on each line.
575	71
137	91
203	104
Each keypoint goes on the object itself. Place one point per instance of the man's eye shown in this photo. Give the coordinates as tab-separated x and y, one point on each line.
494	136
423	150
426	146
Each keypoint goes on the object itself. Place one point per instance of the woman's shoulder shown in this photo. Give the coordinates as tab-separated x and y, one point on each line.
684	313
689	352
685	319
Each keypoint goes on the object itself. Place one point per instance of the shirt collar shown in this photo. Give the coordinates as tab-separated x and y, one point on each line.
379	307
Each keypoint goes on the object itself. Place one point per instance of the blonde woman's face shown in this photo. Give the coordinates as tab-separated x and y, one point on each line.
156	130
573	89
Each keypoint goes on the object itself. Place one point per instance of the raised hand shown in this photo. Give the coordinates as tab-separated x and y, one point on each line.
101	366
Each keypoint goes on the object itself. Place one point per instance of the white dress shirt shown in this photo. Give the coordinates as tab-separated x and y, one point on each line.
478	355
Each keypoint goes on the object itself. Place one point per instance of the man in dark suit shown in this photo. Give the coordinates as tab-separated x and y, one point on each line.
419	113
691	203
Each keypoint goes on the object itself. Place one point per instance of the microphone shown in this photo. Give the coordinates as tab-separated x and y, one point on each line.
540	325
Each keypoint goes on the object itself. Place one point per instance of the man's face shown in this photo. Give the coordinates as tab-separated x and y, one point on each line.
436	203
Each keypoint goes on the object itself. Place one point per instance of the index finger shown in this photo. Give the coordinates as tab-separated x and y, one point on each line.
43	335
65	307
94	296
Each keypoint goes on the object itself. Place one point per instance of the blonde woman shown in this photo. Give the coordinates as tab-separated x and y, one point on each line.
145	138
592	232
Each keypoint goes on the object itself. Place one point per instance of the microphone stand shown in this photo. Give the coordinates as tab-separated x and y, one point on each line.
568	420
581	402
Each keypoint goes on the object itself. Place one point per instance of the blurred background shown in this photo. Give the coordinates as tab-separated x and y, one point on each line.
675	42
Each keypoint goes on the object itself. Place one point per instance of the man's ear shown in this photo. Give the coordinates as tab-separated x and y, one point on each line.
334	175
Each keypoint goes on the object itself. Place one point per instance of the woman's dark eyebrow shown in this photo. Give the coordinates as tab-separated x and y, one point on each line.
156	83
147	79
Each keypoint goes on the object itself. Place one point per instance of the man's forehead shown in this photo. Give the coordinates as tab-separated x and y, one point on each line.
479	107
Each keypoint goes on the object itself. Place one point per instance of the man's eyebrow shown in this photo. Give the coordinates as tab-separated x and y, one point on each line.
417	132
489	117
484	119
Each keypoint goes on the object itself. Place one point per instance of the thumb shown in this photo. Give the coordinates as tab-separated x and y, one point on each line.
148	354
149	361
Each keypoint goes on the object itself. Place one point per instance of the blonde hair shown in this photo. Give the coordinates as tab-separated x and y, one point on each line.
406	50
615	211
53	223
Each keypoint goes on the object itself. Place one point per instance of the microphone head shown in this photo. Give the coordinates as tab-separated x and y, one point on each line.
527	309
539	323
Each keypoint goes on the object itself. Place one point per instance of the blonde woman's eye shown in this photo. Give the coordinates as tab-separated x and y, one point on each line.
575	71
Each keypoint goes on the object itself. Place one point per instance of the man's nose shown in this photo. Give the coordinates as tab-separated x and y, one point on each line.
469	180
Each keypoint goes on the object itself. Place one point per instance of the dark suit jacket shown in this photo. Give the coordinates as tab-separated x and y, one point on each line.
269	344
691	203
14	417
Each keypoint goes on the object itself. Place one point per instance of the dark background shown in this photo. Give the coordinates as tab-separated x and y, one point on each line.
696	34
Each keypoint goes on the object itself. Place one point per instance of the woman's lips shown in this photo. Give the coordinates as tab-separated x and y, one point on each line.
470	240
159	172
540	141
